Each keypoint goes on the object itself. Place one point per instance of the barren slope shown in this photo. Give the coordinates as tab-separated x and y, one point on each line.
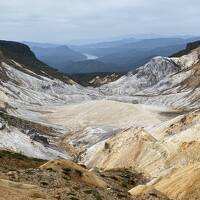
92	122
173	82
103	113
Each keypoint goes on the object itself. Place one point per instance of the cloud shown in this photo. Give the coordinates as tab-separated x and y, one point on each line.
66	20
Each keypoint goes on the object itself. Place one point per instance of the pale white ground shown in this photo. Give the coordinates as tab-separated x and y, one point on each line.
105	113
94	121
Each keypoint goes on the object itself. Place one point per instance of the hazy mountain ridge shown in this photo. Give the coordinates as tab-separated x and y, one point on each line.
116	56
91	66
57	56
132	53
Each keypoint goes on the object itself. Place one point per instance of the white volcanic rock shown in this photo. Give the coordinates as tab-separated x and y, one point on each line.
14	140
3	100
162	81
145	77
91	136
35	89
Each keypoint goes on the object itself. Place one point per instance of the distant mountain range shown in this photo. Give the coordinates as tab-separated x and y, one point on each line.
115	56
59	57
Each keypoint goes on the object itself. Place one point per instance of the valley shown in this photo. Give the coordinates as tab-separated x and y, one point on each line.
136	137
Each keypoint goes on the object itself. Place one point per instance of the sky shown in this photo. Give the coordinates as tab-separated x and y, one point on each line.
68	21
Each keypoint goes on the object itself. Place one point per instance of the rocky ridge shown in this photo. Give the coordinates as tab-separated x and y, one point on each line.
162	81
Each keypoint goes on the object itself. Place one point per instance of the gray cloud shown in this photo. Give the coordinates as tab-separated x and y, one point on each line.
67	20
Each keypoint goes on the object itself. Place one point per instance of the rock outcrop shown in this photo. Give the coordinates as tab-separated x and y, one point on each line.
172	82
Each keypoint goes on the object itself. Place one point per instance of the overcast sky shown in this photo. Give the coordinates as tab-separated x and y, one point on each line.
64	21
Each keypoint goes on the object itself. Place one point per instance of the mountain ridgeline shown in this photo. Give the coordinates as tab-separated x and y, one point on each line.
115	56
20	53
59	57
